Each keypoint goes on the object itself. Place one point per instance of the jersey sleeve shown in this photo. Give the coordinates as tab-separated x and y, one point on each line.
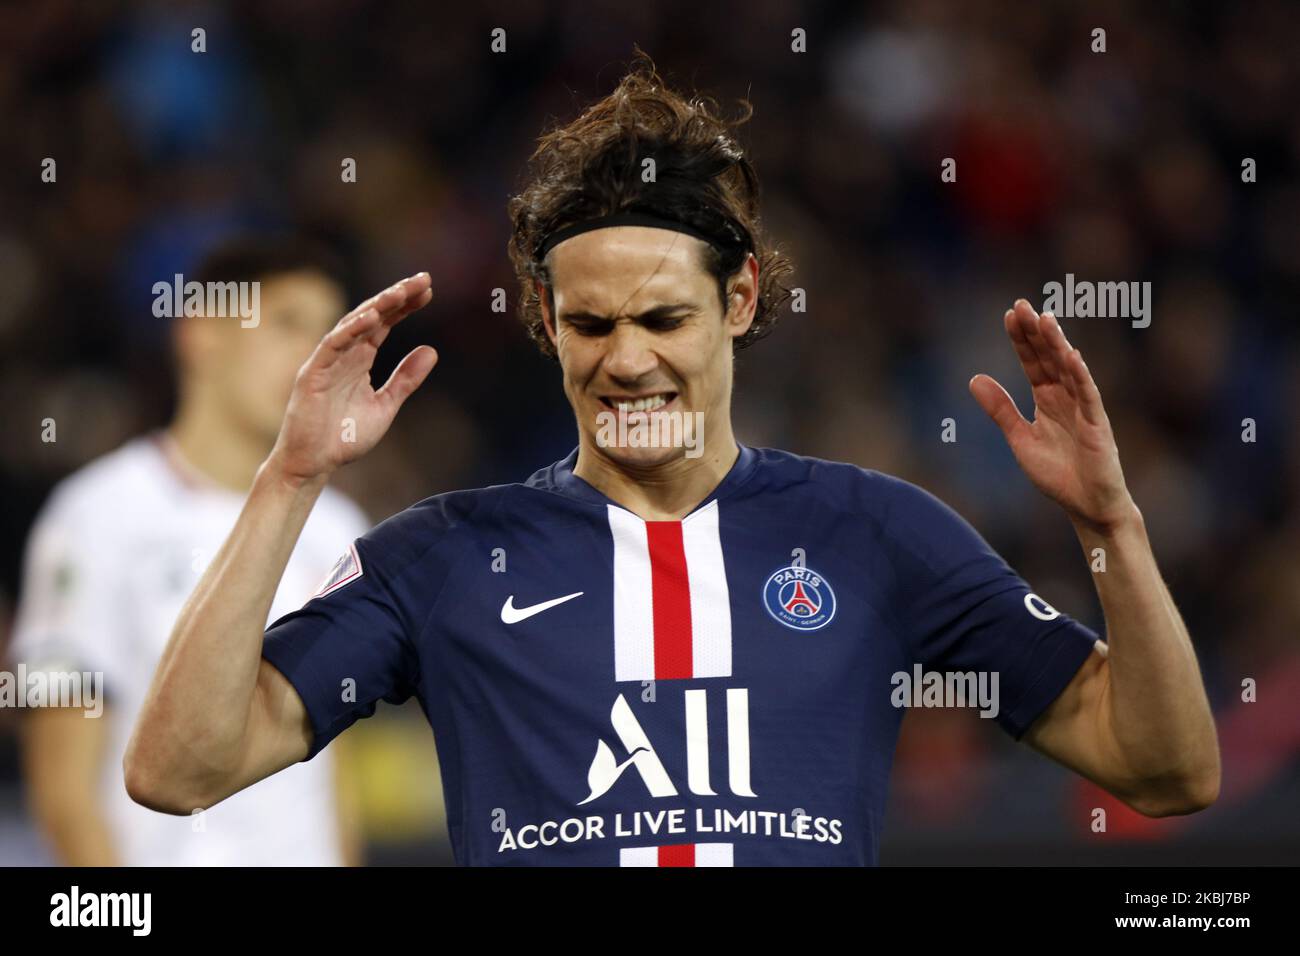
354	643
69	611
962	608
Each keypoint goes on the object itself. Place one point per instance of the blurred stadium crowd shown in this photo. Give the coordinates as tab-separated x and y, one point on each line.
1124	166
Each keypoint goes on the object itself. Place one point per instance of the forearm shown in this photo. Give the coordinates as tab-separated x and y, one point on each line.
194	721
1155	708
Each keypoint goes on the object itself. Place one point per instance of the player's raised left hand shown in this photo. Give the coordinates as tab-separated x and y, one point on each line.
1068	450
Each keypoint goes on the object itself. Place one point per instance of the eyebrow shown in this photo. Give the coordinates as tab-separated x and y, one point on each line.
658	312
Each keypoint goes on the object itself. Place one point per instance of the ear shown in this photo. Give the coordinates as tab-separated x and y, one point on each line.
742	298
547	321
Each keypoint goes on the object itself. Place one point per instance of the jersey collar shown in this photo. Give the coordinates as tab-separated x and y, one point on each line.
560	477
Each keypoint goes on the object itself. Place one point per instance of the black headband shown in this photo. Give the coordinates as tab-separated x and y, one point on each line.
625	219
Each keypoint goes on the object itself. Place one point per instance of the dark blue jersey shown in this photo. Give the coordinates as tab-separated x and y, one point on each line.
721	690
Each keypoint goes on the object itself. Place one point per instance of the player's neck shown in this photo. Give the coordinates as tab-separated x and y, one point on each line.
209	443
666	492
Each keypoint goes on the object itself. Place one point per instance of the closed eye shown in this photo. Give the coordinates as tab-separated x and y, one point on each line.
663	324
590	325
663	318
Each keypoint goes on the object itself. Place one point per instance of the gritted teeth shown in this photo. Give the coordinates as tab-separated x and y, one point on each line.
647	403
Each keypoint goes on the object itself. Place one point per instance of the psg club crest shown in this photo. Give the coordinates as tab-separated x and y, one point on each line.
799	598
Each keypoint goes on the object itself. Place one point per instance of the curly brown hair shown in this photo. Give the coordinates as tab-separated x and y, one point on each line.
591	168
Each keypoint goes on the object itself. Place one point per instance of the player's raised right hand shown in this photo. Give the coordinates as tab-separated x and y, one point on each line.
334	416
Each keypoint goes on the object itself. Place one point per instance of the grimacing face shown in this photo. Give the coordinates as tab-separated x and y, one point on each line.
251	370
639	333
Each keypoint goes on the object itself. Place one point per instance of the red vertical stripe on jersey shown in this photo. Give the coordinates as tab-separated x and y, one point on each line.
671	600
681	855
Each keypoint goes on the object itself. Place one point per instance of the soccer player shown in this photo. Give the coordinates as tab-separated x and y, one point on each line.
119	546
648	654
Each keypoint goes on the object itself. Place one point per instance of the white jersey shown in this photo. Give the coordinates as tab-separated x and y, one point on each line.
112	557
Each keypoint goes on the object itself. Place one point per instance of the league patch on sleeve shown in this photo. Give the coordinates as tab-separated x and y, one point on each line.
346	569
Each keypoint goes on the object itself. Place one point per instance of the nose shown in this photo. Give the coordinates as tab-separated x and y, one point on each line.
629	355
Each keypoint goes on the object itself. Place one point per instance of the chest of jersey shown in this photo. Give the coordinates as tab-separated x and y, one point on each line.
710	688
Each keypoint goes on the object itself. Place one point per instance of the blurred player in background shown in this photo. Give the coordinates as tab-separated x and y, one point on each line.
118	548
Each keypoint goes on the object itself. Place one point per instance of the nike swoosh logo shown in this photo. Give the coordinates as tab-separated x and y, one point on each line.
513	615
